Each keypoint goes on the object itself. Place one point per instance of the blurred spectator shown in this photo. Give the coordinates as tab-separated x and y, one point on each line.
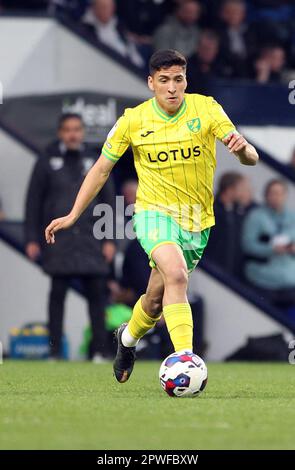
180	31
129	189
269	244
274	17
204	64
270	65
231	202
275	9
235	37
135	272
54	184
135	269
124	218
142	17
73	9
102	22
25	4
244	196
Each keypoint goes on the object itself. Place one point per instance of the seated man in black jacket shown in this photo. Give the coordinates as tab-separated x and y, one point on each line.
56	179
232	202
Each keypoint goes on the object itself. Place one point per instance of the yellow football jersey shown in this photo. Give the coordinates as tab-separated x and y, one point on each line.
174	156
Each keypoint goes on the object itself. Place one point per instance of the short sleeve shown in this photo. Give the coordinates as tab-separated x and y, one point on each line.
221	124
118	139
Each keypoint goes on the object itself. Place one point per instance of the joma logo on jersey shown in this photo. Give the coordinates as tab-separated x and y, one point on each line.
175	154
194	125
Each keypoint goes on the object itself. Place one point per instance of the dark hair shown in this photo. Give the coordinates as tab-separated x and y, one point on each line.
179	4
237	2
272	183
210	34
228	180
165	58
66	116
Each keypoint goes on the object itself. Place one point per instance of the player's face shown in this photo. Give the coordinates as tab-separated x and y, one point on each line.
72	133
243	192
276	196
169	85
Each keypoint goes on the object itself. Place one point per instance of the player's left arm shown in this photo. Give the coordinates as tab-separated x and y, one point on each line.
224	130
238	145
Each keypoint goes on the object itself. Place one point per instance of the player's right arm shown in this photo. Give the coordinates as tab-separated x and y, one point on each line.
91	186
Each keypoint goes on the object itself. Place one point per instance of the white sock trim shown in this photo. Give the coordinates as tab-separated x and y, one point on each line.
127	339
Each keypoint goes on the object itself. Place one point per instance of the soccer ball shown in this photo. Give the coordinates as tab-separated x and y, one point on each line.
183	374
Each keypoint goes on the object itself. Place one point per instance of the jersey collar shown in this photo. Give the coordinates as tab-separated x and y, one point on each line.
167	117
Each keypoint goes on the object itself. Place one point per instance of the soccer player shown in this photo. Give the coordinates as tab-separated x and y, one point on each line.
173	139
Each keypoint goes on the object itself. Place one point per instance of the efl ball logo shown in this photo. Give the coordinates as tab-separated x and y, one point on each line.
183	374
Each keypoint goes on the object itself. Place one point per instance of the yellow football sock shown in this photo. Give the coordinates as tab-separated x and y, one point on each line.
140	322
179	323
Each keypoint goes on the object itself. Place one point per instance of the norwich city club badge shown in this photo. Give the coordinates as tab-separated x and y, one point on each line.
194	125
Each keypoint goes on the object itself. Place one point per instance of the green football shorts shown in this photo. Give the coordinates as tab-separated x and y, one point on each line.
155	228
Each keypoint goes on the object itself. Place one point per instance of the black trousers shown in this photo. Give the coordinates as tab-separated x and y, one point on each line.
95	291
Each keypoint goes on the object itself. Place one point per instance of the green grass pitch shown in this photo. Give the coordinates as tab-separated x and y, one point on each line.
80	406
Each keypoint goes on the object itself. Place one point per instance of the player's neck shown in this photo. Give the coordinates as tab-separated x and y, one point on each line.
167	111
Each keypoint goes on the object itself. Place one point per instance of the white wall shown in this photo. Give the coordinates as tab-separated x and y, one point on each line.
259	175
16	163
23	299
41	56
277	141
18	39
229	319
82	66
